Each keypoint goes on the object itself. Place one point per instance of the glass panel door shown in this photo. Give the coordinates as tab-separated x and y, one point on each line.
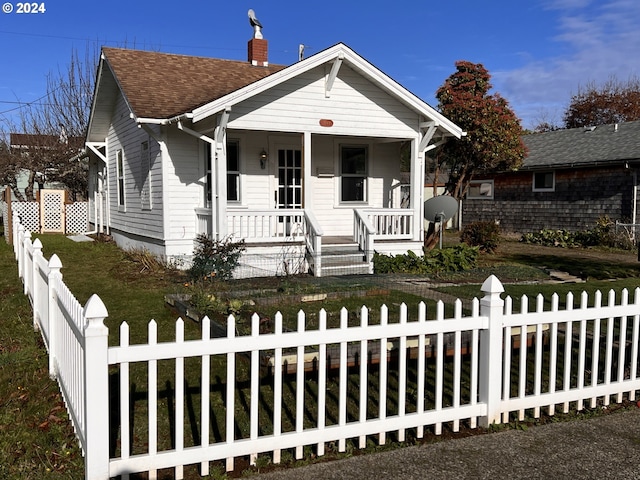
289	178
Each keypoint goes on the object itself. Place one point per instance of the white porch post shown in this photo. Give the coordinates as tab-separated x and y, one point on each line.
219	207
417	190
306	171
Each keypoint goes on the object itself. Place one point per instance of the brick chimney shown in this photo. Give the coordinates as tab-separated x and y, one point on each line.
258	52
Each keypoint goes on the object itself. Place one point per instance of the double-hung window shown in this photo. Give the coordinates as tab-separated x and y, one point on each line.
353	173
120	177
233	172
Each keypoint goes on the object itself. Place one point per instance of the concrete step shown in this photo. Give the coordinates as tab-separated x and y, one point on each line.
343	259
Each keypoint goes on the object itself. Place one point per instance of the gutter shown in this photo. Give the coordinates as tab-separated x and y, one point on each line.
161	121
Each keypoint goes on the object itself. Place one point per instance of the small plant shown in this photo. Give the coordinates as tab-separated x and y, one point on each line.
485	235
215	259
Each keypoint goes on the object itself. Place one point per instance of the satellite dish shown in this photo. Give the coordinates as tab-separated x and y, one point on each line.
440	209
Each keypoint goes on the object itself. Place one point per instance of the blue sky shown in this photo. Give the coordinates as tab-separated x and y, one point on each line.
538	52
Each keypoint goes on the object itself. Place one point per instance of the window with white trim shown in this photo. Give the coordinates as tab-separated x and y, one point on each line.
120	177
544	181
480	189
353	174
233	172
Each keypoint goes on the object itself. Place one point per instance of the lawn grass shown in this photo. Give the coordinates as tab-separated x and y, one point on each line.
36	438
38	441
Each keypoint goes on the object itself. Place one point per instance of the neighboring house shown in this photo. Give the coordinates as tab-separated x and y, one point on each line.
569	180
290	159
25	144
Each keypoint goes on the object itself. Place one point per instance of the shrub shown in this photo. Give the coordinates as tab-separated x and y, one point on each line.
485	235
452	259
433	262
215	259
603	234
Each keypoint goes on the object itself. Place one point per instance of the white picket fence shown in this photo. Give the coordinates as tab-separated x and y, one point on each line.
487	367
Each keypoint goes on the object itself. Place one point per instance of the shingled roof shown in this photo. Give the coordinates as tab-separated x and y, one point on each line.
581	147
162	85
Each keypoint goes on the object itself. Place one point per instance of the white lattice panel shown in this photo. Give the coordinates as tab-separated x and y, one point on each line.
52	210
77	217
29	213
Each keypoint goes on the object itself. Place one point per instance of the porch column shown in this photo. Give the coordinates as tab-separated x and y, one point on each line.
219	200
417	190
306	171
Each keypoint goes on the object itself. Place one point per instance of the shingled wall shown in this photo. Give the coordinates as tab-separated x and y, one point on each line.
581	197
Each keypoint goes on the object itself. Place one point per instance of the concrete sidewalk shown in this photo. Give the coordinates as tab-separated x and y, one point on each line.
604	447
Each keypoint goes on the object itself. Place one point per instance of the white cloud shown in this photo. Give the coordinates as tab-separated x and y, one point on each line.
594	41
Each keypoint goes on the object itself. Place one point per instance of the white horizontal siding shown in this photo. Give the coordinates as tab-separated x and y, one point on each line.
356	107
256	184
125	135
184	183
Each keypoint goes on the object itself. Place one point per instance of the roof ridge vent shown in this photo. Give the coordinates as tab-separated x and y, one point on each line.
589	129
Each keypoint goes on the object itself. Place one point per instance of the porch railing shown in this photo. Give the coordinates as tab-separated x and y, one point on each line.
256	226
391	223
259	226
314	242
364	232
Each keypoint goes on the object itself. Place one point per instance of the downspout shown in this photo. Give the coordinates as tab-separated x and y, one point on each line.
178	119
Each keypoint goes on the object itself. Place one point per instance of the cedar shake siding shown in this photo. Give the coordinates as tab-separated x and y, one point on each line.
584	174
580	198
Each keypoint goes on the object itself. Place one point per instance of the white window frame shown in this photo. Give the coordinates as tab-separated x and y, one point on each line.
207	177
544	189
236	173
364	176
120	180
483	186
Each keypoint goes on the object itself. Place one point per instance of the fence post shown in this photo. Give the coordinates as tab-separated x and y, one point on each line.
96	390
18	249
492	306
51	316
24	271
35	285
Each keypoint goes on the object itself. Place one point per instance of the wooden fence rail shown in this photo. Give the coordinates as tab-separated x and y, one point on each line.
503	364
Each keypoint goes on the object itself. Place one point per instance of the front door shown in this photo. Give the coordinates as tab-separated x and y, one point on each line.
289	193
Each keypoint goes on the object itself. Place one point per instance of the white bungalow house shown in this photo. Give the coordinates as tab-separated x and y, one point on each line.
301	161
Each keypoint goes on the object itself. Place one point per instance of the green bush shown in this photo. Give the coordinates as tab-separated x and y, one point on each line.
214	259
603	234
451	259
485	235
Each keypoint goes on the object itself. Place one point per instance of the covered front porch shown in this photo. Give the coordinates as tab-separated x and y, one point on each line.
298	244
319	204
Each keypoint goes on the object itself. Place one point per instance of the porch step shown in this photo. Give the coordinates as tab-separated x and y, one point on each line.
343	259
